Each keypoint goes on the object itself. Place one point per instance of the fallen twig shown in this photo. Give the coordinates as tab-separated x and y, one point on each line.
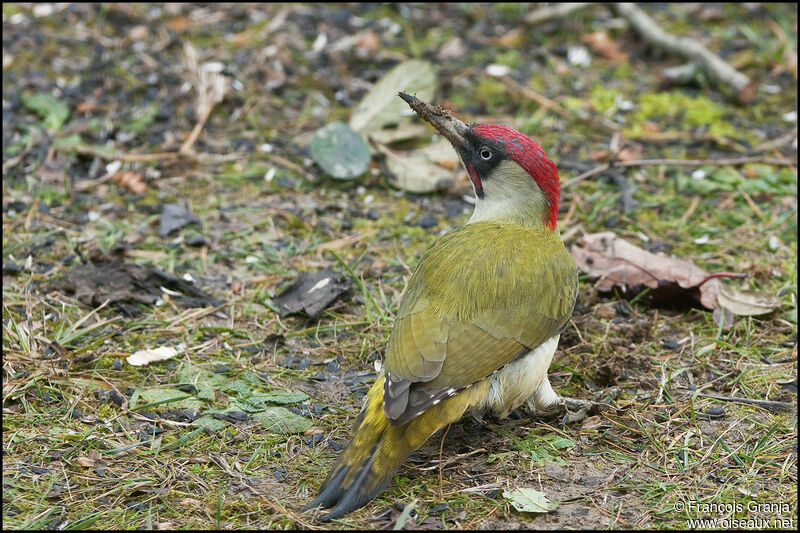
543	14
546	103
292	166
128	158
778	142
690	136
717	69
625	189
588	174
766	404
734	161
211	87
17	159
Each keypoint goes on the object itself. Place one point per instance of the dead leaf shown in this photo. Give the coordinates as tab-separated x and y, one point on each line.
724	317
404	131
86	106
424	170
145	357
131	181
598	155
312	292
381	106
90	460
632	152
528	500
124	285
178	24
747	303
175	216
650	127
368	43
604	46
139	33
621	264
452	49
511	39
591	423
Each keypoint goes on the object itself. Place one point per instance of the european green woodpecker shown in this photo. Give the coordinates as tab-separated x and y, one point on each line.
481	316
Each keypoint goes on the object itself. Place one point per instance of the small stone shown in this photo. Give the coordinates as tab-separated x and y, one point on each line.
427	221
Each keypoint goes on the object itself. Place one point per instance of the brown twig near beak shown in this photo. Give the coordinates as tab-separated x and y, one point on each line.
441	119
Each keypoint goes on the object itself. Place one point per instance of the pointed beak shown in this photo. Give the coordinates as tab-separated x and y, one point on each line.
450	127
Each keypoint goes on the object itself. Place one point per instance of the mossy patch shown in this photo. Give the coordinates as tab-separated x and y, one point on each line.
679	111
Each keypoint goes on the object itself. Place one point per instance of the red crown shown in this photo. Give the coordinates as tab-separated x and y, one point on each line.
529	155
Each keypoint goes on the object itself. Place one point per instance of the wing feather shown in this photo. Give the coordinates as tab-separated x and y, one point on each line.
445	339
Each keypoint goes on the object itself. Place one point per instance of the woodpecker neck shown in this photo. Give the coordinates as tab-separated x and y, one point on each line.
511	196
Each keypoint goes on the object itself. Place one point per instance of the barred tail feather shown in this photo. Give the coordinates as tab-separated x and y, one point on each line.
366	466
378	449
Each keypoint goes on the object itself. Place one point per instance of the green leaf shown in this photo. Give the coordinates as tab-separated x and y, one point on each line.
68	143
53	111
381	105
340	151
143	119
208	421
558	442
237	386
529	501
259	401
284	397
204	380
282	420
167	398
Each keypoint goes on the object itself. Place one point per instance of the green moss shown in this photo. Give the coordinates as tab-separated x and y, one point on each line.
603	97
492	93
572	102
510	58
680	111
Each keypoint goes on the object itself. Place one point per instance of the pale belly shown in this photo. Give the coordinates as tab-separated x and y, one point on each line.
522	379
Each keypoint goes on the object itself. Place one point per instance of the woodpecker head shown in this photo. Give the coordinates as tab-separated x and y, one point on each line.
511	174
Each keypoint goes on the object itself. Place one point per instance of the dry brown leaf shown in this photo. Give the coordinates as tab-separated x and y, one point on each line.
90	460
724	316
510	39
131	181
604	46
632	152
598	155
591	423
621	264
369	42
178	24
747	303
86	106
138	33
650	127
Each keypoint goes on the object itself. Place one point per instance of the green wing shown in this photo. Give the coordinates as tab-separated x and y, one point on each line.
482	294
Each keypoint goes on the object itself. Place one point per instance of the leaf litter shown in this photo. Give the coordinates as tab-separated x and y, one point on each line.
312	292
383	120
667	280
124	285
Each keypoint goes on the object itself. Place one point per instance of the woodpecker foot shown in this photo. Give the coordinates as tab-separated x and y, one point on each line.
571	410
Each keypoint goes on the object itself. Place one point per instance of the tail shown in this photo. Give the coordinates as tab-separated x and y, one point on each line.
377	450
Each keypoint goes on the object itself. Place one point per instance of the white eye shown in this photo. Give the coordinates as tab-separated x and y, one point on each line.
486	154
